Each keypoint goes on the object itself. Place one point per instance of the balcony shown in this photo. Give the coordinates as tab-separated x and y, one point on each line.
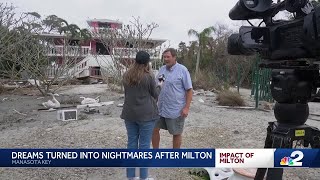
131	53
68	51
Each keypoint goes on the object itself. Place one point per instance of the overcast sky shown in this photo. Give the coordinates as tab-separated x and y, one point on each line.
175	17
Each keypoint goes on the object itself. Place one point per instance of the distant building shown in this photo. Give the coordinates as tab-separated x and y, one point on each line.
92	57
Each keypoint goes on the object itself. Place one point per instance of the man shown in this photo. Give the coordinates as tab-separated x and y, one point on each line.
174	99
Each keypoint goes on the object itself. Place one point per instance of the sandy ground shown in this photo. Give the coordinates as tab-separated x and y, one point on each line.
206	127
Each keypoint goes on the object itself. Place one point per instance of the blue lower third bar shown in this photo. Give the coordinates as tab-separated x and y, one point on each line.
297	158
107	158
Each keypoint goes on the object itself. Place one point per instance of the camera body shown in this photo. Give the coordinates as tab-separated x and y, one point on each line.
278	40
290	47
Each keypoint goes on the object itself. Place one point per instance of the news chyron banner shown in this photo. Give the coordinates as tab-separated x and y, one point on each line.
183	158
106	158
248	158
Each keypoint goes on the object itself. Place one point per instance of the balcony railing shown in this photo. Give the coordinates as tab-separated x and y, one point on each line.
53	72
131	53
67	51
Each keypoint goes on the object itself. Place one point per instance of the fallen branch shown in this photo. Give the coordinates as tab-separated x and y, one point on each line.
62	107
95	104
19	112
314	114
314	119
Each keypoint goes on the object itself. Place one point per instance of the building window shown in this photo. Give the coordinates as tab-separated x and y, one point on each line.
101	49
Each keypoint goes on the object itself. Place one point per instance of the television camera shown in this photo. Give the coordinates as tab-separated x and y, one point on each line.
291	48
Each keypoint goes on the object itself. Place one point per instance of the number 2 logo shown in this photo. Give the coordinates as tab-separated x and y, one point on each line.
295	160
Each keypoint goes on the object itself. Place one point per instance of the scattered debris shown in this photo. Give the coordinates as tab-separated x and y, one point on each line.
315	115
40	97
201	100
107	103
220	173
33	82
90	100
95	104
19	112
314	119
82	117
4	99
199	172
61	107
90	110
67	114
11	85
265	105
51	109
120	105
52	104
198	92
201	92
70	100
238	173
209	94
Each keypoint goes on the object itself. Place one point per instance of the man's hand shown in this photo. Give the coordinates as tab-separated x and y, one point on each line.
185	112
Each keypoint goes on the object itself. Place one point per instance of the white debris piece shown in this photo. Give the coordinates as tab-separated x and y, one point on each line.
95	104
219	174
52	104
90	100
209	94
198	92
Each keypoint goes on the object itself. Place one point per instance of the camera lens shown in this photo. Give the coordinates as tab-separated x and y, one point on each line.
251	3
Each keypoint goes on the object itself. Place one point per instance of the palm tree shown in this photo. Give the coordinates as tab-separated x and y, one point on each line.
202	38
73	30
52	22
85	34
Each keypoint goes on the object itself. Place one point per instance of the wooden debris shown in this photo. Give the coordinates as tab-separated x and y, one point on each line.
96	104
19	112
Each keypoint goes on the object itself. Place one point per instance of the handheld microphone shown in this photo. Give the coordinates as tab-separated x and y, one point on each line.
161	78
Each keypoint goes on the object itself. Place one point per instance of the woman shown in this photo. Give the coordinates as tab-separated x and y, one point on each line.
140	109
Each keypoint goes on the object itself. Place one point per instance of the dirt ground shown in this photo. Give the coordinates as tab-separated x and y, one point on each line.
206	127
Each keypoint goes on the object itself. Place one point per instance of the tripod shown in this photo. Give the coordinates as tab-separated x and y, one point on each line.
282	136
292	89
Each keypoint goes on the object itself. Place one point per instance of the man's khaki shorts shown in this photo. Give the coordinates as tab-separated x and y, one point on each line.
174	126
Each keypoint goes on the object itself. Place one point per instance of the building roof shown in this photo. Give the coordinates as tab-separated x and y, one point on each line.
103	21
157	40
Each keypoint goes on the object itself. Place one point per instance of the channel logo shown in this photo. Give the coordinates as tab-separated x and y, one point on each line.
293	160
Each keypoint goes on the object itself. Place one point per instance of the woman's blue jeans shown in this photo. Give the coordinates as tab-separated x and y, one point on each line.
139	137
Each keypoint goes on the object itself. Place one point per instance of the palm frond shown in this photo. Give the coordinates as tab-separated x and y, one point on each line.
35	14
193	32
207	31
